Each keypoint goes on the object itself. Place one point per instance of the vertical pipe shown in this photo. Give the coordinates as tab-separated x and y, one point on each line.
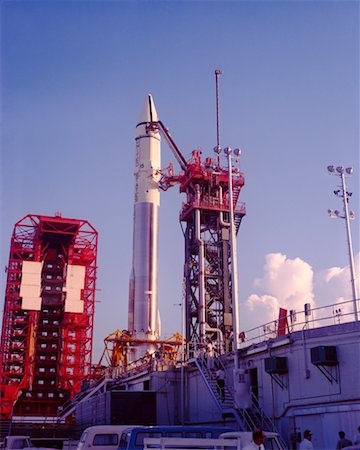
201	312
349	242
234	279
182	374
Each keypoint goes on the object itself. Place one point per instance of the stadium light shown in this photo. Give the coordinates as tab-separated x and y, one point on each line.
347	215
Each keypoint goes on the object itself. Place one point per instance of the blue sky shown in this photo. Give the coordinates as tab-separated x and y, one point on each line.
75	75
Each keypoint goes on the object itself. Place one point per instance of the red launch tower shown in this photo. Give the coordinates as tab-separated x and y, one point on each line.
207	268
47	332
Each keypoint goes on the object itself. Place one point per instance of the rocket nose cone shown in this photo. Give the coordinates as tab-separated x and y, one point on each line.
148	113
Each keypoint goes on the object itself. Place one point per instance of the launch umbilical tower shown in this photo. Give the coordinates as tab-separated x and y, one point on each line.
207	267
46	340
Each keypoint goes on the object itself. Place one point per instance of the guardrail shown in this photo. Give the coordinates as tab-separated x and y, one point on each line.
308	318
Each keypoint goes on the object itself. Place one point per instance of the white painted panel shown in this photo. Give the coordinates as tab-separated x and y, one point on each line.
31	303
73	294
75	277
74	306
30	279
75	282
29	291
30	287
32	267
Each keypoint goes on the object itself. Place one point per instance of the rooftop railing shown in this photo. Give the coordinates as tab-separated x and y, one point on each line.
308	318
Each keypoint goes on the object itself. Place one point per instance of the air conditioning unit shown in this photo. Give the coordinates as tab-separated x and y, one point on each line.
324	356
276	364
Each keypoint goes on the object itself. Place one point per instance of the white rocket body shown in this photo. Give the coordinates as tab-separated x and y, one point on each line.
143	292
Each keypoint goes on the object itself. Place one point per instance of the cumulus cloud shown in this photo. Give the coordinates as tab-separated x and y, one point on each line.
290	283
333	285
286	283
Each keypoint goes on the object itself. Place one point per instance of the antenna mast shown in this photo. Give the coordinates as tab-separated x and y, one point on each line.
218	72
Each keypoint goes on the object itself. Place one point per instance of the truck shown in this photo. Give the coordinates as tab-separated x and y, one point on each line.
101	437
20	443
235	440
134	437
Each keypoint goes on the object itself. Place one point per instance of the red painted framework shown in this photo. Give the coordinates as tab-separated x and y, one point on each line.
206	186
45	355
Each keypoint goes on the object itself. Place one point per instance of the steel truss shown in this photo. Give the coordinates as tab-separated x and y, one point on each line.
207	267
46	354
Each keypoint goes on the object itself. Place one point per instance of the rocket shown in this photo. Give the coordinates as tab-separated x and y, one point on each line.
143	319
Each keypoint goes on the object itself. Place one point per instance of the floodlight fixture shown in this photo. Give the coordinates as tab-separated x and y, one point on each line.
337	192
340	170
217	149
237	152
227	151
351	215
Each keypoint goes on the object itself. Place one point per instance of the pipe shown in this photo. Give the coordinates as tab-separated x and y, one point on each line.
220	337
221	215
234	279
202	306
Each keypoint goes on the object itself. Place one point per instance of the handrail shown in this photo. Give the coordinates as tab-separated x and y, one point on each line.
200	369
317	317
246	418
70	406
221	408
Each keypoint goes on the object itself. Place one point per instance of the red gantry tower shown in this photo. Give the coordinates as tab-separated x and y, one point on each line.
208	264
209	233
47	332
207	268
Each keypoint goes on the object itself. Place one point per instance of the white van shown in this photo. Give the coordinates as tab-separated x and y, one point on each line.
101	437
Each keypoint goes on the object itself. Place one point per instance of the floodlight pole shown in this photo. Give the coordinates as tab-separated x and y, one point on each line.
340	171
350	247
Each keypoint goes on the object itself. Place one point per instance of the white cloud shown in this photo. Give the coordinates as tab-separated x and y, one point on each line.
286	283
333	285
333	272
290	283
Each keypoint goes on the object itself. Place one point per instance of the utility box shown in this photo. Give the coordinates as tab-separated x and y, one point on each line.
276	365
324	356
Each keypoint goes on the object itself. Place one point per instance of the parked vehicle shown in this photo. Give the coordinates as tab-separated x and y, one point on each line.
133	438
101	437
236	440
20	443
189	444
243	438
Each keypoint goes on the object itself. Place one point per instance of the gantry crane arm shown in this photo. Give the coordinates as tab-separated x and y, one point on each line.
178	155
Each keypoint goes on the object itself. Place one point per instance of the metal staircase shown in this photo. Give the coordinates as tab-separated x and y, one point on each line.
248	419
69	407
226	407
